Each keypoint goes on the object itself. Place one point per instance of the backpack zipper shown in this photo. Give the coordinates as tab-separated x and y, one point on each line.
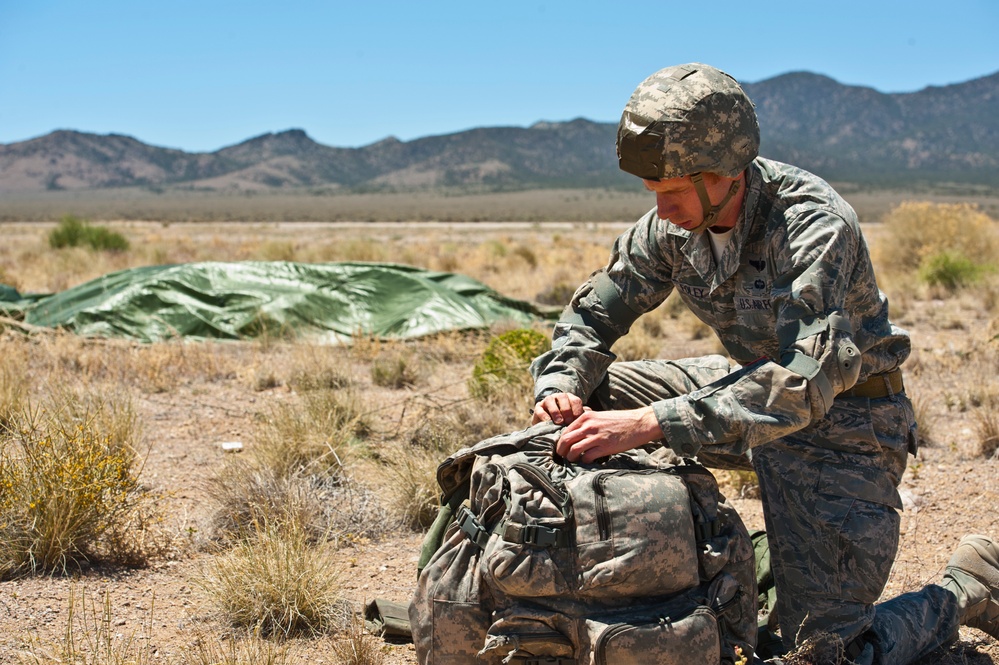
600	496
560	497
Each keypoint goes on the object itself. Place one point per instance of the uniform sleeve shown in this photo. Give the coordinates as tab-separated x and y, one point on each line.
773	397
634	281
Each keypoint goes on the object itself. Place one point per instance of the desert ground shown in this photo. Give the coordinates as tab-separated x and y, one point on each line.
186	399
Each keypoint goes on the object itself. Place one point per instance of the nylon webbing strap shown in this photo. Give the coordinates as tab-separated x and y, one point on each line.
536	535
575	317
812	325
855	647
710	211
878	386
811	370
705	531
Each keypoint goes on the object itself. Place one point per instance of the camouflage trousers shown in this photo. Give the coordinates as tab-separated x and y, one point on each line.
830	506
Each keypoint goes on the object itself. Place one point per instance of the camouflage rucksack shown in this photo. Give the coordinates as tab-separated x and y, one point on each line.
632	560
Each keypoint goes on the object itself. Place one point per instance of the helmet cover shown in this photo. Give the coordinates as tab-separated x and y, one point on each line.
687	119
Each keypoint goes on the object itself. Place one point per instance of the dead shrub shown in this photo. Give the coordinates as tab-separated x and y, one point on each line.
277	583
69	491
987	425
335	508
415	494
396	371
13	381
311	436
820	649
925	419
356	647
295	474
443	430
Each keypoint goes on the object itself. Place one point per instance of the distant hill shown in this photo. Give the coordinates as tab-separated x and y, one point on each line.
844	133
857	134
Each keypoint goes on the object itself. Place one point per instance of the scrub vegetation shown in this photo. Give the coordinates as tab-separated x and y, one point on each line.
75	232
69	492
238	502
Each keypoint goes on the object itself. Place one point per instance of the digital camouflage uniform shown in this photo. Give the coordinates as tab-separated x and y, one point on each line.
794	301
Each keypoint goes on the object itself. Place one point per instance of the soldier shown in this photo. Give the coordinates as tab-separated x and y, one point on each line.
774	261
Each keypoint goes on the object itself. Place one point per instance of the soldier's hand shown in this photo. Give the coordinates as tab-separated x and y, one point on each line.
560	408
598	434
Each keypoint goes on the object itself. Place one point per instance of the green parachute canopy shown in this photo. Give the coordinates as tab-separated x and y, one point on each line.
334	301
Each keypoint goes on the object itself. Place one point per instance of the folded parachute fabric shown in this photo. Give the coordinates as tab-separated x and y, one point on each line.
331	301
13	304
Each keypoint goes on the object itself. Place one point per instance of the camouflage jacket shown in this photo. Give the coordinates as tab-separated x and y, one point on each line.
797	254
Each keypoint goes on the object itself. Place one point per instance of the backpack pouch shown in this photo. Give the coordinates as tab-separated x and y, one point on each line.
658	640
634	533
527	554
450	609
668	634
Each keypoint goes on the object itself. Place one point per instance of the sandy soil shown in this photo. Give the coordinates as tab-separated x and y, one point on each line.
949	490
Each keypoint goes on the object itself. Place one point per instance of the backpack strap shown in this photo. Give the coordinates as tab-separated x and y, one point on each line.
536	535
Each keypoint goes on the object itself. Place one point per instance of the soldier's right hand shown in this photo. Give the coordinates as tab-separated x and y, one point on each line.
560	408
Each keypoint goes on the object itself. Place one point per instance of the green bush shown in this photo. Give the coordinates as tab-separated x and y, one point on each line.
505	361
75	232
950	270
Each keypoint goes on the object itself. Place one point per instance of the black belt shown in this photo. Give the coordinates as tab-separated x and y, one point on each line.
878	386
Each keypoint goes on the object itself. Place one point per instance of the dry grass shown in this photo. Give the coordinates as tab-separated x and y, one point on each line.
396	371
92	637
69	491
253	650
340	452
277	583
948	246
313	435
415	495
355	647
326	508
295	474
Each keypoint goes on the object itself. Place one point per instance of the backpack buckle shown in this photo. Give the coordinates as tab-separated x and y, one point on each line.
471	527
538	535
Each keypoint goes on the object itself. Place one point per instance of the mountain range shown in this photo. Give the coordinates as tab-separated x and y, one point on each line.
941	134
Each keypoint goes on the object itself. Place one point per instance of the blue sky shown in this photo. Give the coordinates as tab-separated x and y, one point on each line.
202	75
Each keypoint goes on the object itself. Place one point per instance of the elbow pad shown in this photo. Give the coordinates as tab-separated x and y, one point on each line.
598	305
820	348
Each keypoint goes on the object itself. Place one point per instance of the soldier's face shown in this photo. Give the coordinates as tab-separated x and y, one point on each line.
677	202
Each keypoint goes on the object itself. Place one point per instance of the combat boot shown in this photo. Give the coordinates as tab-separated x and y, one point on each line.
972	574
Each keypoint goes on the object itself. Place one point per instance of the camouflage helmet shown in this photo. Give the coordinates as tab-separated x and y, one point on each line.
687	119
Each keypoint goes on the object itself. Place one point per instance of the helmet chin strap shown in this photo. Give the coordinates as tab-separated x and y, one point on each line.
710	211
